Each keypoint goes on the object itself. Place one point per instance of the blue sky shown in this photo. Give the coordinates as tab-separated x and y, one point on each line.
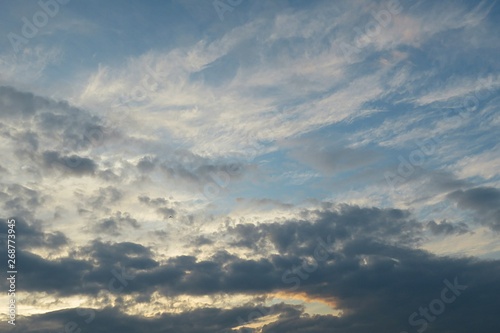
192	134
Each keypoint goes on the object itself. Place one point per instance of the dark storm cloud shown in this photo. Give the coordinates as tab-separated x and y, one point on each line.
31	235
378	295
93	265
126	254
484	201
394	284
210	320
87	271
60	276
297	237
295	240
363	260
52	272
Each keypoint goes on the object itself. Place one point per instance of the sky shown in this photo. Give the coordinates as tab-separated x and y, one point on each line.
250	166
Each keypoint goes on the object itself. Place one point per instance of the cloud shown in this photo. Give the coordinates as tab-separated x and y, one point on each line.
484	201
114	225
447	228
113	319
371	274
330	158
341	223
142	152
31	235
71	164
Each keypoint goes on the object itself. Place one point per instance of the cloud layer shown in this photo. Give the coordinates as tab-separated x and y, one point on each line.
246	166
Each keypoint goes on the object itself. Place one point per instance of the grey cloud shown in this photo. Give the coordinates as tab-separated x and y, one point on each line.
60	276
374	273
195	170
153	202
14	103
376	296
166	212
484	201
109	175
342	223
162	206
59	123
104	197
21	199
114	225
32	236
202	240
74	129
107	226
72	164
446	228
64	131
444	181
330	158
114	319
264	203
147	164
125	254
191	171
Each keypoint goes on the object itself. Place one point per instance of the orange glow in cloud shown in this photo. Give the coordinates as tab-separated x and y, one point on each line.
304	297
